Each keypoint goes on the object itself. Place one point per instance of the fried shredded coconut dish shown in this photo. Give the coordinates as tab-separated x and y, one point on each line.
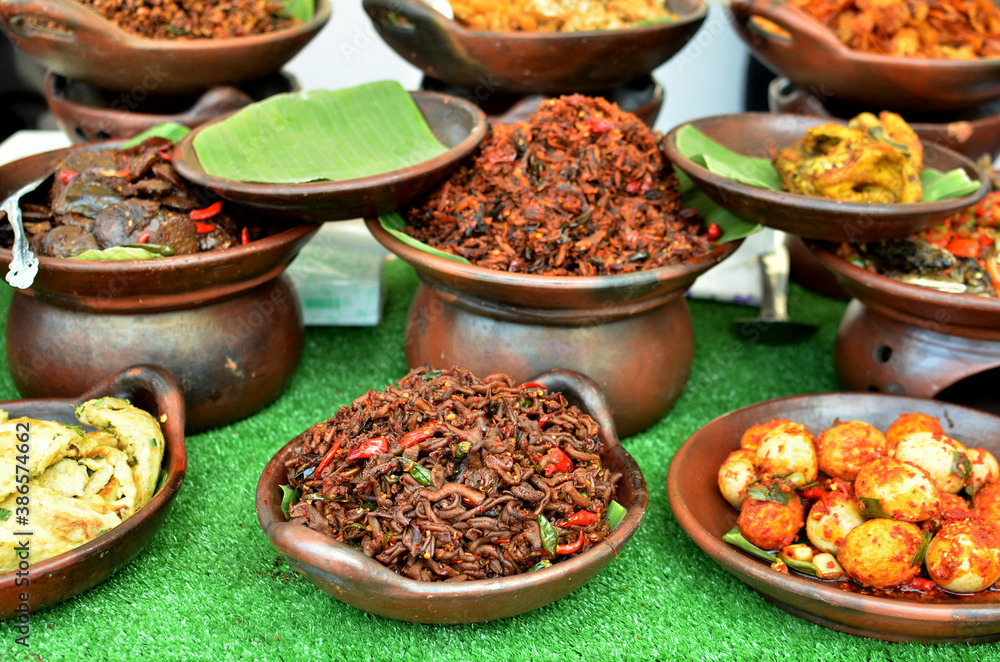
938	29
193	19
872	159
960	255
445	477
557	15
132	198
580	189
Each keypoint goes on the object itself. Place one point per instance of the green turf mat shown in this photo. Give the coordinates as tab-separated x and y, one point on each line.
210	587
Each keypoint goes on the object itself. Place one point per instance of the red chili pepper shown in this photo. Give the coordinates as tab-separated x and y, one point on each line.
66	175
960	247
985	241
560	462
579	518
813	493
203	228
533	385
328	457
571	547
921	584
425	431
207	212
598	126
245	236
714	231
543	419
165	152
144	237
368	448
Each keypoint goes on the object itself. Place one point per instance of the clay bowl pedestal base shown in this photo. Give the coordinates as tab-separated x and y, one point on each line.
875	352
642	361
232	357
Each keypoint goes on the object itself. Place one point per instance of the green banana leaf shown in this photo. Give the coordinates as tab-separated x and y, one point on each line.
319	135
302	10
393	223
759	172
172	131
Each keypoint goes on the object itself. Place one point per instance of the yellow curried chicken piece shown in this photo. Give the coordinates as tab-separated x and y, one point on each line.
876	160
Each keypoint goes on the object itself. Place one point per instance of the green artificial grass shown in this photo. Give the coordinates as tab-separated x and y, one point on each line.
210	587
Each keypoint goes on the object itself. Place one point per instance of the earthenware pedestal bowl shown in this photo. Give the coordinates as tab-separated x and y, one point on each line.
630	333
226	323
80	44
88	113
642	97
908	339
458	124
802	215
61	577
812	57
706	516
353	578
529	62
972	131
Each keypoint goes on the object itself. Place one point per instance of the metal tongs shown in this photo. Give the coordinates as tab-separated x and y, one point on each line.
24	265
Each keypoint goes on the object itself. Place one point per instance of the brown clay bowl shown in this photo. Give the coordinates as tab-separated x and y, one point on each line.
224	322
61	577
529	62
706	516
643	97
630	333
353	578
967	314
812	218
80	44
458	124
86	113
971	132
812	57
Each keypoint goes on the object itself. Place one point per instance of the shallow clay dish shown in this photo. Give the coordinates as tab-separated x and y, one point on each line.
630	333
458	124
61	577
87	113
805	216
353	578
226	322
529	62
812	57
78	43
706	516
972	132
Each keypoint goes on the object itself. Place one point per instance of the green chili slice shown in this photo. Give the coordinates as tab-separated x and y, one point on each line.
616	513
288	498
544	563
419	473
550	537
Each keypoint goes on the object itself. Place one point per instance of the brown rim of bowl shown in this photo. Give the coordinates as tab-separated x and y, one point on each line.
893	210
194	172
573	385
170	400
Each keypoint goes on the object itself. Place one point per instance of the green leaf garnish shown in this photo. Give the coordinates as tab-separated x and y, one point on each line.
75	428
615	513
318	135
961	465
5	514
172	131
872	508
419	473
288	498
152	442
736	539
550	537
393	223
300	10
925	541
773	492
431	375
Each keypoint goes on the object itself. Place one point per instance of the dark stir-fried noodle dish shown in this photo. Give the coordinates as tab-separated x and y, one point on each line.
445	477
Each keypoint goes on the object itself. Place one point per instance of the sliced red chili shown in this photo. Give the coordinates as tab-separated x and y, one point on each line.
329	456
579	518
714	232
144	237
921	584
559	462
598	126
66	175
207	212
368	448
425	431
203	228
571	547
245	236
533	385
960	247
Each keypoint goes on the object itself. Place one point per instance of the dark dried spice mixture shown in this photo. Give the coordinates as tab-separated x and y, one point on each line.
443	477
581	189
123	197
193	19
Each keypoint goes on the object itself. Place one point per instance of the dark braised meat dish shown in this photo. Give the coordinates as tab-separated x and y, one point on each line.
128	197
446	477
